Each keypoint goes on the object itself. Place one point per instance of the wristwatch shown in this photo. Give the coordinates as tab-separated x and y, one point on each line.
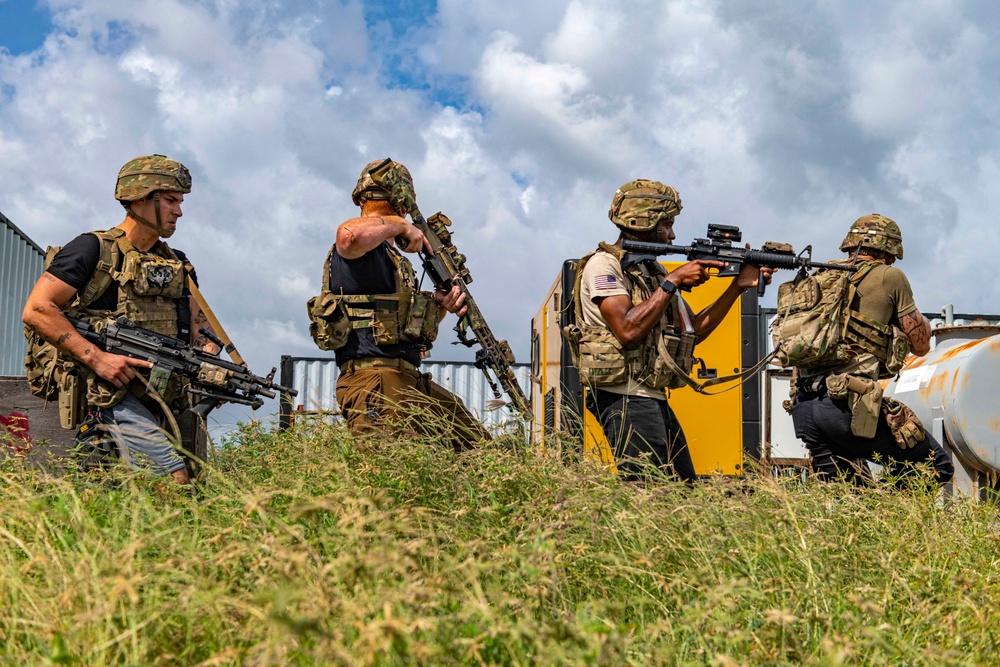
668	287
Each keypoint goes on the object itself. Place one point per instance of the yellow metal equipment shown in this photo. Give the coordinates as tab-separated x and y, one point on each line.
720	428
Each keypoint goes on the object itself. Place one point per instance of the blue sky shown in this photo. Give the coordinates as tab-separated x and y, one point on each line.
518	120
23	25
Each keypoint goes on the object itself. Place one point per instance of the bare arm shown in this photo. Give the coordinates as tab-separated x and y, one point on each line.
631	324
918	331
43	313
360	235
712	315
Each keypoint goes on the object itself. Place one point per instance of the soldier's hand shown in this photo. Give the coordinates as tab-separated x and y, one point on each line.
750	273
414	240
694	273
115	368
452	300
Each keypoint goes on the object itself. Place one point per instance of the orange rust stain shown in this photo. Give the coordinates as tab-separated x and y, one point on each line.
953	352
954	381
913	361
937	382
995	424
994	345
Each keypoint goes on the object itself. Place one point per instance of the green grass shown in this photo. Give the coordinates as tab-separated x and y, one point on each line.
310	547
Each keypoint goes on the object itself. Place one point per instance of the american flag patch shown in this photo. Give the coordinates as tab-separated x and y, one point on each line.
605	282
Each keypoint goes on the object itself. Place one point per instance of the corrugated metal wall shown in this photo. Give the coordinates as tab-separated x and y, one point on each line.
316	380
21	262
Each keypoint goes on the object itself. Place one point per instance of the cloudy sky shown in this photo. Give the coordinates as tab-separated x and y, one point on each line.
518	119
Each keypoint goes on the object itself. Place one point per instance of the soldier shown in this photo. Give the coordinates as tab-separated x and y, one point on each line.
97	277
372	315
634	335
837	407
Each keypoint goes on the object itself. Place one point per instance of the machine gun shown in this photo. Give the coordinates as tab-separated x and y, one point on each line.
446	268
720	246
212	380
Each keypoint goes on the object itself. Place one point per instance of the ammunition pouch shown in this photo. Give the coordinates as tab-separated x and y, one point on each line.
599	355
904	424
52	376
865	399
422	318
674	355
328	323
410	317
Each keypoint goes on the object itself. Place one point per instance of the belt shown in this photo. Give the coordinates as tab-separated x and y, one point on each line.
376	362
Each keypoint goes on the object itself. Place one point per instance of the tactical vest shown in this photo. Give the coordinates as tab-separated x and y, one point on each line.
149	284
407	315
665	353
819	328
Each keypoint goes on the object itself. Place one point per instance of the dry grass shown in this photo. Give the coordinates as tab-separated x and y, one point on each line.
310	547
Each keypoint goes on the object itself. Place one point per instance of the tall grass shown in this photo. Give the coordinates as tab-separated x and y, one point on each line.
311	547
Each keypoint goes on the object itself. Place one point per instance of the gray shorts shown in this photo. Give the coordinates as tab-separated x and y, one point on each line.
140	438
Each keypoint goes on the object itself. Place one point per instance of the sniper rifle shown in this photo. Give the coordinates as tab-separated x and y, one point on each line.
446	268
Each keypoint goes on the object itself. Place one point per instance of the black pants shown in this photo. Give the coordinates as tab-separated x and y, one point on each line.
642	430
824	424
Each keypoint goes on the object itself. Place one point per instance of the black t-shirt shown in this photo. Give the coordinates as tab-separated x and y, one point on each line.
76	263
372	273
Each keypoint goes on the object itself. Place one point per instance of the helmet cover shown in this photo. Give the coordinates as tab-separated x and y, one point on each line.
641	204
151	173
875	232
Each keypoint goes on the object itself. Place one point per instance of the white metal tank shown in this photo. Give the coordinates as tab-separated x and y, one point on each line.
954	390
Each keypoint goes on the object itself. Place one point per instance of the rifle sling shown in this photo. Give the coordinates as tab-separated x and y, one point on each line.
213	320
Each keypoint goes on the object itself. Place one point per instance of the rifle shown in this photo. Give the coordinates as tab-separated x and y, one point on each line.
212	379
719	246
446	268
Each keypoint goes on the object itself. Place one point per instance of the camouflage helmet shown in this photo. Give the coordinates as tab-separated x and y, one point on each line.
151	173
366	188
875	232
640	205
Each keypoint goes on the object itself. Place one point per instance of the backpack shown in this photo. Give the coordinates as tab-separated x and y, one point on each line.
813	316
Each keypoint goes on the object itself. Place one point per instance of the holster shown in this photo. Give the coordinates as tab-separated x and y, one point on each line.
865	398
905	425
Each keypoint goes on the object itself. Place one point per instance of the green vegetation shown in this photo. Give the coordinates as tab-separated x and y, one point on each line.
310	547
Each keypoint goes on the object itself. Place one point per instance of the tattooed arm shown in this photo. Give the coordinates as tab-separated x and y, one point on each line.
43	313
918	330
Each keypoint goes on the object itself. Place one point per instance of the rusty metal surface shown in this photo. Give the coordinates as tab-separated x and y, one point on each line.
957	383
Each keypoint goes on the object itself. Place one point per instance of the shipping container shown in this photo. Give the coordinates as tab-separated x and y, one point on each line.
21	263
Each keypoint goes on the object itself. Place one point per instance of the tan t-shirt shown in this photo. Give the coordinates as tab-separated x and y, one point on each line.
885	295
603	277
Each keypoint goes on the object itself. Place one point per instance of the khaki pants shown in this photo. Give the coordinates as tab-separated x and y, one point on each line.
388	399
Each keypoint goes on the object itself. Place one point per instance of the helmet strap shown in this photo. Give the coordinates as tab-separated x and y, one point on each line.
857	251
158	227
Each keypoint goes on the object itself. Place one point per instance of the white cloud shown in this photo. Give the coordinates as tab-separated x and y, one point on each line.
789	120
